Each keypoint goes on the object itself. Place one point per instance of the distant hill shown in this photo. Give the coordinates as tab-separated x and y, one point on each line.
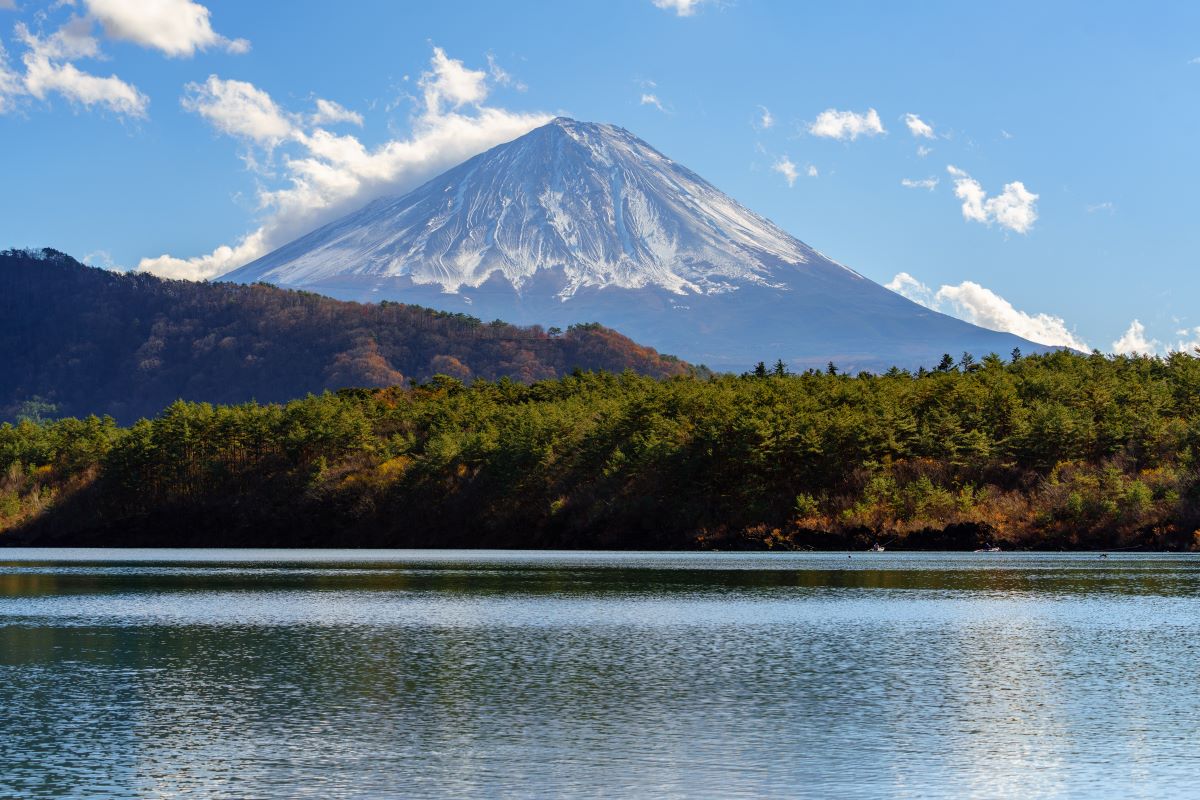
75	340
578	220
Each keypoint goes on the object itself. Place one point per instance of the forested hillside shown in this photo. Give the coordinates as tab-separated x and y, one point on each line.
1057	450
77	340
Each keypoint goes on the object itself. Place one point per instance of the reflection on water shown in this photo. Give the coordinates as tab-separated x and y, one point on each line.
451	674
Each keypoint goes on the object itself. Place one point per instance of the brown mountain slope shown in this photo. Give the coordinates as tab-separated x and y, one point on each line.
77	340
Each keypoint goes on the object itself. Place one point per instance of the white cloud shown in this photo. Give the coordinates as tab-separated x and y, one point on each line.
451	83
84	88
48	70
834	124
175	27
981	306
765	119
327	175
811	171
929	183
784	166
102	259
918	127
1106	207
501	76
178	28
238	108
923	151
1134	341
1015	208
908	286
218	262
684	8
331	113
1191	346
652	100
11	84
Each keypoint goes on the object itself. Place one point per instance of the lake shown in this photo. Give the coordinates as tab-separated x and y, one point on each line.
449	674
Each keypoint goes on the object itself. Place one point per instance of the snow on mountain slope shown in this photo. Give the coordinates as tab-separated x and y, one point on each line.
580	221
593	200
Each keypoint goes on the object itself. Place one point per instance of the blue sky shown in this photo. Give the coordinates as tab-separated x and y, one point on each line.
1049	163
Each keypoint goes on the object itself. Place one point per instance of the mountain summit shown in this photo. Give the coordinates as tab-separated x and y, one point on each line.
580	221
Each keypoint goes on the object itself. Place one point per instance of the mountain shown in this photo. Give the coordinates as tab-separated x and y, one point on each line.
580	221
78	340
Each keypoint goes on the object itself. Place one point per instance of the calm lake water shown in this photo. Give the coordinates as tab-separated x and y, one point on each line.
282	674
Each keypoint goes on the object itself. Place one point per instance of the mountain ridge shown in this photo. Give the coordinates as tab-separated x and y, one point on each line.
80	340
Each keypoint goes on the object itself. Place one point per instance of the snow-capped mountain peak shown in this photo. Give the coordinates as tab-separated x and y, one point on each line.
590	200
577	221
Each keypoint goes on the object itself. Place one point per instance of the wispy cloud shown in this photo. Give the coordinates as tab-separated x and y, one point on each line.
1105	207
765	119
649	99
981	306
683	8
929	183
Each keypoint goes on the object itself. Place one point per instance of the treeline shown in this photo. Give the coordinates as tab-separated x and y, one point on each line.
78	340
1057	451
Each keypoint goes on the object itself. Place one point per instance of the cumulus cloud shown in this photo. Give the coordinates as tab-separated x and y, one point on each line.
652	100
929	183
918	127
177	28
1015	208
174	27
684	8
49	69
1134	342
784	166
908	286
331	113
1190	346
451	83
834	124
981	306
239	109
326	175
